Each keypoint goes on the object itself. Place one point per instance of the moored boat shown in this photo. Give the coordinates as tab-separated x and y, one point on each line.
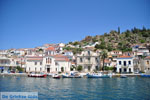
67	76
123	76
73	74
42	75
98	75
147	74
56	76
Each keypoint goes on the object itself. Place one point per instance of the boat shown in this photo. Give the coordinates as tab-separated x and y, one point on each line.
73	74
147	74
50	74
41	75
67	76
98	75
56	76
123	76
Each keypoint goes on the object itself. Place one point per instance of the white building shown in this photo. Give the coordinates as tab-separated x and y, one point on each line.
48	64
34	64
125	64
7	64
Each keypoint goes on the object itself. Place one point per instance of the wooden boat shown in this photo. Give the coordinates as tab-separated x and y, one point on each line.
40	75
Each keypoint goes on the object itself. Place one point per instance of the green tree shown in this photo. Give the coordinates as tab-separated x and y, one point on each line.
103	55
79	68
118	30
109	47
19	69
142	41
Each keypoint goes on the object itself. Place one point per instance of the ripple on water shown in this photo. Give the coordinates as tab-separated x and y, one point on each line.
72	89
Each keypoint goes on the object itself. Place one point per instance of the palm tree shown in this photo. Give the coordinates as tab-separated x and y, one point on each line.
103	55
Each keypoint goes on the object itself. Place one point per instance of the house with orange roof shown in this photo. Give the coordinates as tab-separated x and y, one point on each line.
50	51
125	64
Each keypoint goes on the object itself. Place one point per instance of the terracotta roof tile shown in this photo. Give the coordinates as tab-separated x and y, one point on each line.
124	56
50	48
34	59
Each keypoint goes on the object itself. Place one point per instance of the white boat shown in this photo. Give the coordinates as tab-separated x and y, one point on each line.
98	75
42	75
56	76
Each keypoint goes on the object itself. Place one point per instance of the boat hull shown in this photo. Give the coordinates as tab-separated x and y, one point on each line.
145	76
98	76
38	76
65	76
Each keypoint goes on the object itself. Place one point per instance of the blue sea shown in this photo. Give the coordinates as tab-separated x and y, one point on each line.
131	88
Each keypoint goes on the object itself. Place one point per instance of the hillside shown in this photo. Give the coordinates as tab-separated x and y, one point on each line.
114	40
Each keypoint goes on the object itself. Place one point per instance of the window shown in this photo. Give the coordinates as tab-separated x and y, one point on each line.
88	52
35	63
119	62
124	63
40	63
96	67
56	63
81	60
29	68
89	59
147	62
96	60
40	69
56	69
48	60
129	62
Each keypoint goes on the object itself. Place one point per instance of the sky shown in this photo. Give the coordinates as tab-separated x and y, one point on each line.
32	23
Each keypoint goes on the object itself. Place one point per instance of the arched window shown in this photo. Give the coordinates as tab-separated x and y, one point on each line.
50	60
35	68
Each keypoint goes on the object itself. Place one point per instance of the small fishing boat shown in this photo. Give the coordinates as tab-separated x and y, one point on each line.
123	76
56	76
41	75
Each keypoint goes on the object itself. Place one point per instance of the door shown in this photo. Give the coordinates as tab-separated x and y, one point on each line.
48	70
